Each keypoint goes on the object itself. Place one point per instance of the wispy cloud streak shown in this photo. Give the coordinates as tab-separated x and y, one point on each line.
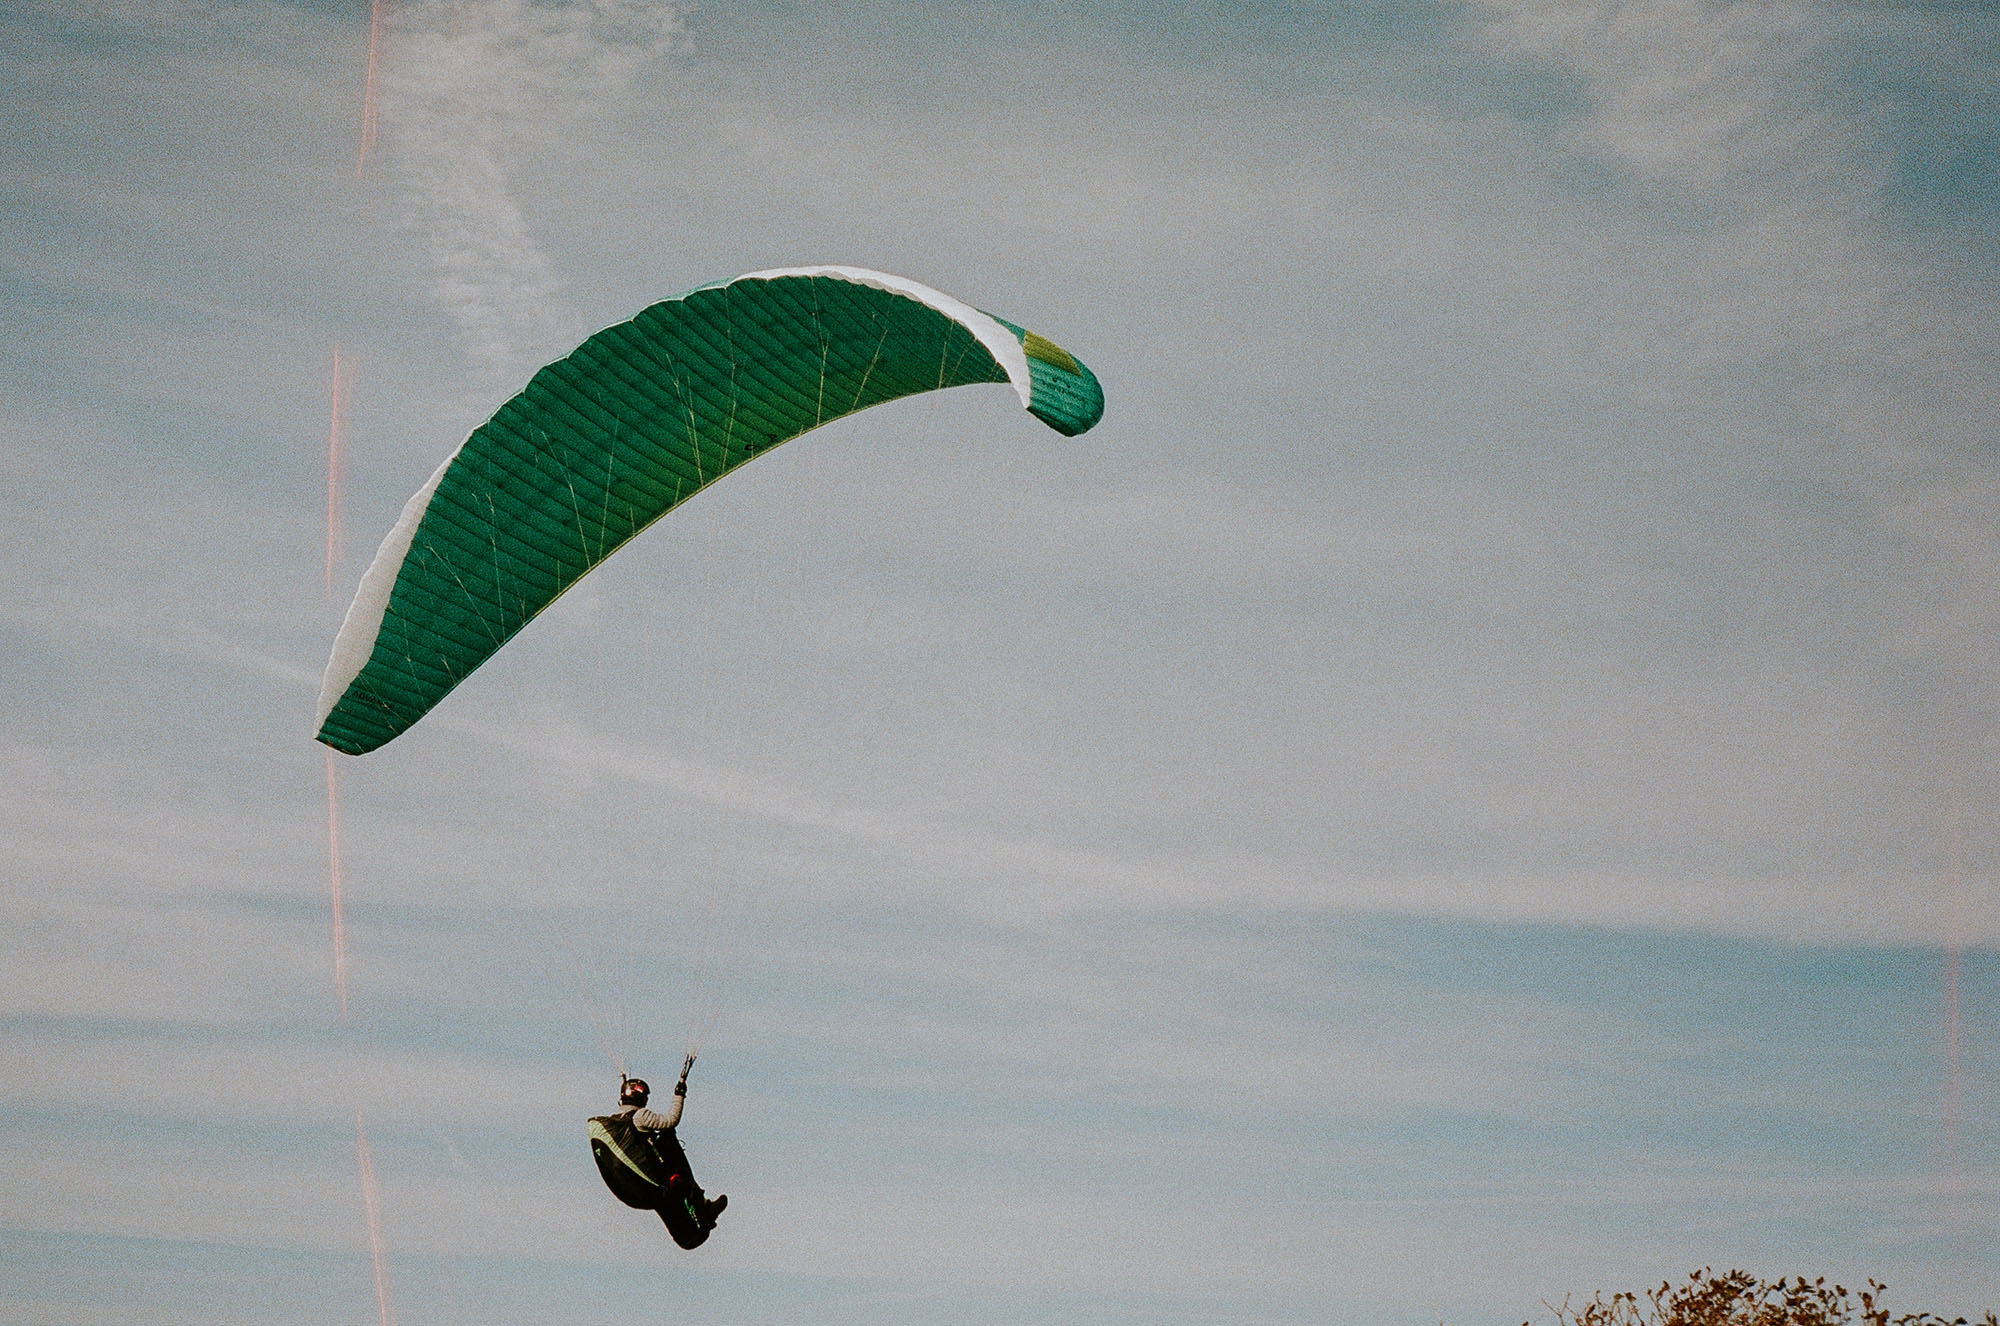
464	83
1728	109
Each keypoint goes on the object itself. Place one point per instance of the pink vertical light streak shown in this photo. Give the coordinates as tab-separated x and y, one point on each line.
371	1201
343	377
375	11
334	880
336	444
1954	947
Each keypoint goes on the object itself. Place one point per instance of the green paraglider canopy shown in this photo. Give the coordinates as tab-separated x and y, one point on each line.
633	422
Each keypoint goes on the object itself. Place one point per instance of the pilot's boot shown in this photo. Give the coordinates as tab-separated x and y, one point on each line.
715	1205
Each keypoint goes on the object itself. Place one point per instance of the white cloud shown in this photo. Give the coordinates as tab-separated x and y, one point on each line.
1686	89
467	85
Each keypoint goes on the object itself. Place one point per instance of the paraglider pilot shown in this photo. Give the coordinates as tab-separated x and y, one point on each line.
643	1163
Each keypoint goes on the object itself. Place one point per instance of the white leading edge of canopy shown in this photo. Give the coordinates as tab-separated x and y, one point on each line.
1003	345
356	641
358	630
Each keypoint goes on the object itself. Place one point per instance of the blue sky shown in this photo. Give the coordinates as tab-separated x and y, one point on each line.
1446	799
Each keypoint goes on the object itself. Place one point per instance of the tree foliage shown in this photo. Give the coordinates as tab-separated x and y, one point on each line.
1737	1298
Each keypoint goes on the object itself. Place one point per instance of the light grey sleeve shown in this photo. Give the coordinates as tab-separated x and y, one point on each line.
653	1121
